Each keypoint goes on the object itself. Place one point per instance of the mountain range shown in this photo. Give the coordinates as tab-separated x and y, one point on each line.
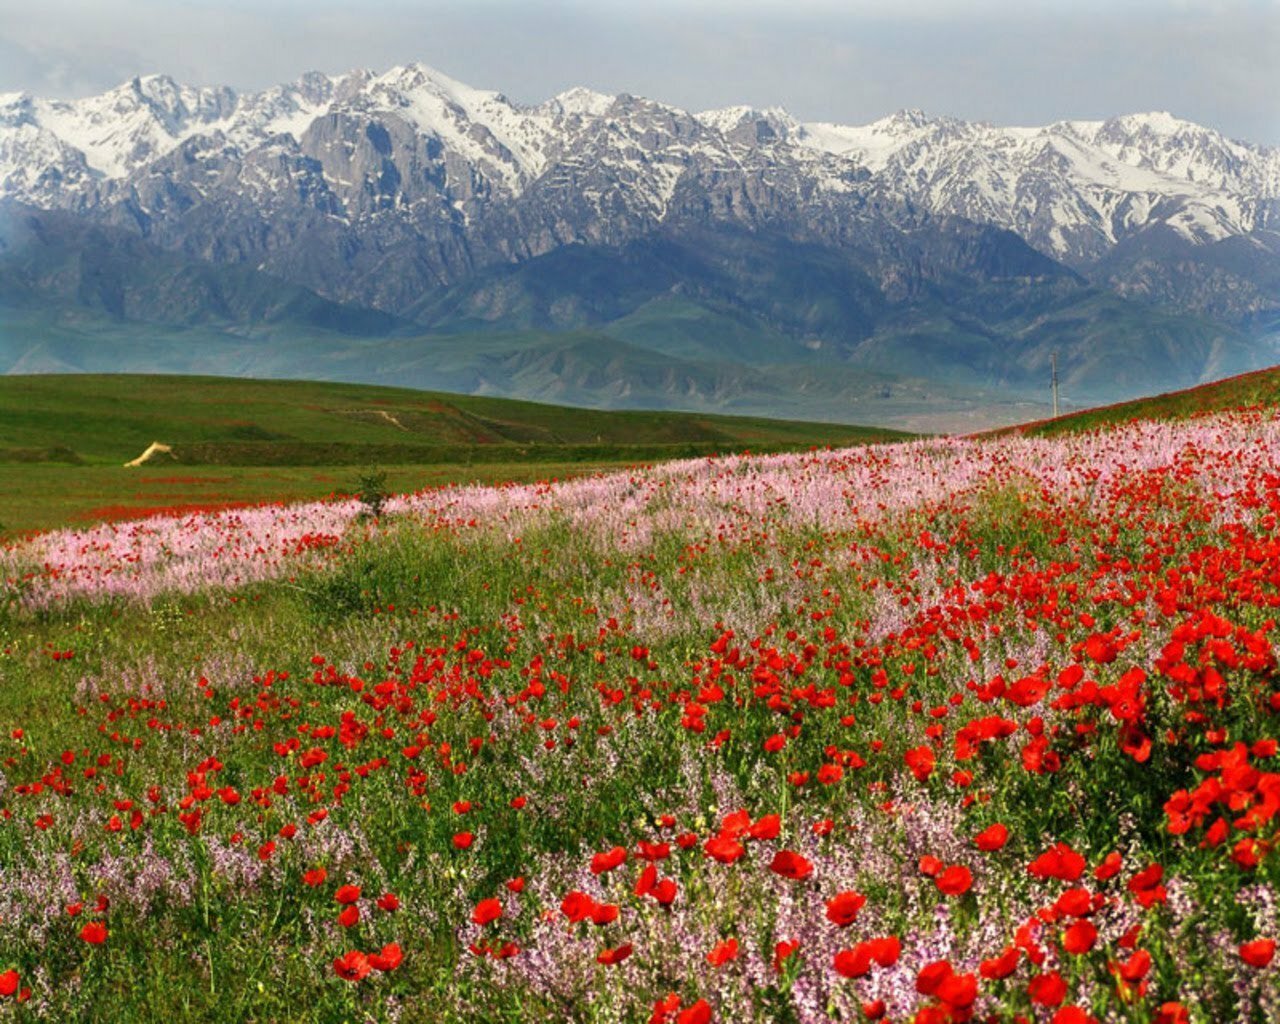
618	251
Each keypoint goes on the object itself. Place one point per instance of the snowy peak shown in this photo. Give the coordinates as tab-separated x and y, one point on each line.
415	143
576	102
749	126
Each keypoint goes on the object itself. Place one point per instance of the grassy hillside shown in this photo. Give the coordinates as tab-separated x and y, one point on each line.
66	439
1262	387
627	370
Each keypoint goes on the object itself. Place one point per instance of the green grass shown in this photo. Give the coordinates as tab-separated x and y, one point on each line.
67	437
1260	388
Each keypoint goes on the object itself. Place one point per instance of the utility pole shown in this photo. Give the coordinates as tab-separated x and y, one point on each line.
1054	361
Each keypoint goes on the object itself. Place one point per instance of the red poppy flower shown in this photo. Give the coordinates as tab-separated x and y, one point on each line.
486	911
1258	953
1079	938
932	975
853	963
921	761
767	827
463	840
958	990
783	951
955	880
698	1013
884	951
616	955
1047	989
389	902
843	908
1136	967
8	982
723	849
349	916
94	933
1110	866
1001	966
1073	1015
388	960
664	892
991	838
352	966
791	865
347	894
723	952
315	877
1076	902
930	865
577	906
1059	861
604	862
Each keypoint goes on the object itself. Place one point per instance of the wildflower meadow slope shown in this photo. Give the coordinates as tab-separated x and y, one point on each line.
944	730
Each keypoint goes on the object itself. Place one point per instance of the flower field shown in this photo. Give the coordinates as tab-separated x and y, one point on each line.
937	731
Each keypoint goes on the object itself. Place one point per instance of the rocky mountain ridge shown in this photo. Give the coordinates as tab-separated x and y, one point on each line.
914	241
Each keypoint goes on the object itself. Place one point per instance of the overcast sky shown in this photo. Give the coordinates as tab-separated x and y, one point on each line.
1006	61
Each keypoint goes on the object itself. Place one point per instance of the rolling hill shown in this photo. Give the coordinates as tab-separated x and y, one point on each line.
67	438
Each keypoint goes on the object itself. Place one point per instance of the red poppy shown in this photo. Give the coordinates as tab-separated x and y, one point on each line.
352	966
932	975
958	990
347	894
486	911
921	761
1258	953
1059	861
930	865
991	838
349	916
389	902
1136	967
853	963
698	1013
604	862
723	849
1079	938
783	951
767	827
388	960
791	865
315	877
8	982
1073	1015
843	908
577	906
1076	902
615	955
1001	966
884	951
94	933
955	880
463	840
1047	989
723	952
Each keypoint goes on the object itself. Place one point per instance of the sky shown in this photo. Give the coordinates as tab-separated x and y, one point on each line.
1023	62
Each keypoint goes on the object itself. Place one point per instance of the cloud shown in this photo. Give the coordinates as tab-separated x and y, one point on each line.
1028	62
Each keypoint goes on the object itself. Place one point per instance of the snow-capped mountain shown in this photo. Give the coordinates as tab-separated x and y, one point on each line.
1073	189
413	194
